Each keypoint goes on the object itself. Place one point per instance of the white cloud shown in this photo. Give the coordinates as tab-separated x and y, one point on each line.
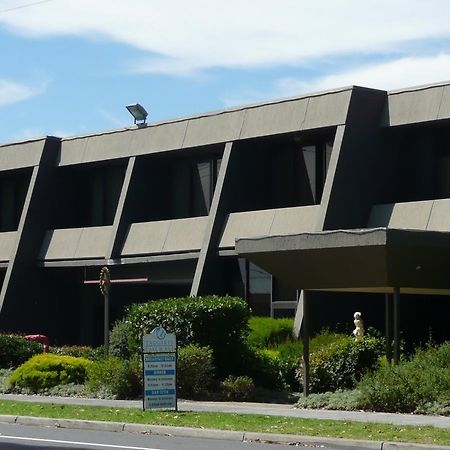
184	37
395	74
12	92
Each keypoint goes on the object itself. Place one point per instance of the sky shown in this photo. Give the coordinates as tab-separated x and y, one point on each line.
69	67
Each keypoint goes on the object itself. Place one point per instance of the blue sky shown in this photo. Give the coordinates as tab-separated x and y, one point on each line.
69	67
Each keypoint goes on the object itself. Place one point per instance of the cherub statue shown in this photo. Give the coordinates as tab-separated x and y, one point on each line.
358	332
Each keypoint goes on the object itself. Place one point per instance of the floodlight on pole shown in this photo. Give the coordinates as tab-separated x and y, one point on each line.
138	112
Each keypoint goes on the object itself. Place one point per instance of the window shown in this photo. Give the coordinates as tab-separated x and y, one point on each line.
193	184
13	190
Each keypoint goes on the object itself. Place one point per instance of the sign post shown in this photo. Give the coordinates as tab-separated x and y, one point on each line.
159	358
105	285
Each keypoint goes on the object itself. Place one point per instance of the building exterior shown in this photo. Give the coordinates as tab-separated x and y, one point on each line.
345	193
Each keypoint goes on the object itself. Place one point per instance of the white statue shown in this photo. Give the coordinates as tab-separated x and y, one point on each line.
358	332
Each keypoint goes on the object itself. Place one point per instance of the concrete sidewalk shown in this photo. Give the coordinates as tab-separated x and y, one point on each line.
244	408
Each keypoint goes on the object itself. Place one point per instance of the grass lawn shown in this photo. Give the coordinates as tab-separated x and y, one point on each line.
227	421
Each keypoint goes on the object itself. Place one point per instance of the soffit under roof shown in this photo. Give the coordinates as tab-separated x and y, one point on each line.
370	260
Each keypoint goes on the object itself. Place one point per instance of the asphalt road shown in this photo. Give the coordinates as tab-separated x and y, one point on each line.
21	437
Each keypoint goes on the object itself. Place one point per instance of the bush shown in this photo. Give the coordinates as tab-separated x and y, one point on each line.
119	339
121	378
339	400
195	371
220	323
47	370
237	388
266	332
15	350
79	351
412	386
342	364
263	366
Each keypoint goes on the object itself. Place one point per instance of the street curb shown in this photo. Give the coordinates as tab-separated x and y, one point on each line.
316	441
207	433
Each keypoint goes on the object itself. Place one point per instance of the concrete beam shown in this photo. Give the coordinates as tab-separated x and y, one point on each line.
16	304
120	219
215	221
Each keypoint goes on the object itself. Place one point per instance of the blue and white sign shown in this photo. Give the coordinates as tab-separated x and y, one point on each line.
158	341
160	367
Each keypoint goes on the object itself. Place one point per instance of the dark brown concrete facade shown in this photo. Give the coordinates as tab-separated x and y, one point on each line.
346	192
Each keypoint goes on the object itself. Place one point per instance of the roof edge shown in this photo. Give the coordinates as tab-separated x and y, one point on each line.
219	112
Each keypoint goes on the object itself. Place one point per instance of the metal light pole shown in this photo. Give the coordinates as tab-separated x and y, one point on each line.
105	285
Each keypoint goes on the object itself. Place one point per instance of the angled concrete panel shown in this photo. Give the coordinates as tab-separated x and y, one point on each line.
214	129
60	244
96	148
72	151
444	110
440	216
185	235
327	110
93	242
16	156
75	243
6	245
158	138
411	215
294	220
146	238
109	146
246	224
414	106
276	118
122	144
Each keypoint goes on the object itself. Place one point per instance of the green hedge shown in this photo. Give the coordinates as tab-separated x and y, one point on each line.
412	385
47	370
220	323
79	351
119	339
266	332
15	350
342	364
195	372
120	378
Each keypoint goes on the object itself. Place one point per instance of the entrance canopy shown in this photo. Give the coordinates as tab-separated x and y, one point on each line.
366	260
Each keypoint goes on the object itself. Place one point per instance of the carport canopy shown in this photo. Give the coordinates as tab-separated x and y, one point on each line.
383	260
365	260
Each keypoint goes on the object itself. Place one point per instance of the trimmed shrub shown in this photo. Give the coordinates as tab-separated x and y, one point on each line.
121	378
342	364
411	386
195	371
78	351
339	400
266	332
220	323
119	339
263	366
15	350
237	388
47	370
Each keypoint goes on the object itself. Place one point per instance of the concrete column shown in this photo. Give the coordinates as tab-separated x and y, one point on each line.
120	219
215	222
388	327
396	325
